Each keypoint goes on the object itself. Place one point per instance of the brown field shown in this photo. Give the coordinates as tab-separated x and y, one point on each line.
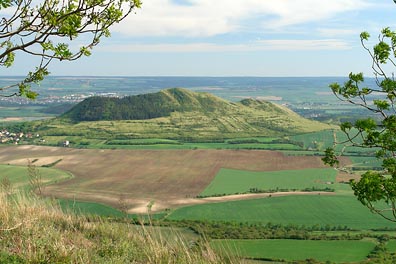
168	178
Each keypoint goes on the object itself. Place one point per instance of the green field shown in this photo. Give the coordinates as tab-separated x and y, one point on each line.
229	181
307	210
391	246
18	175
321	140
292	250
92	208
89	208
153	143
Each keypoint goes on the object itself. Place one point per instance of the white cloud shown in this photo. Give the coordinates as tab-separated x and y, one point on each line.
337	32
213	17
261	45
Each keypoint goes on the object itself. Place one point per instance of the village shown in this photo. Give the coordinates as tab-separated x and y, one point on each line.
15	138
7	137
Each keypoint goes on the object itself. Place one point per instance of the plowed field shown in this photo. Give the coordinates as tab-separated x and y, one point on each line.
167	178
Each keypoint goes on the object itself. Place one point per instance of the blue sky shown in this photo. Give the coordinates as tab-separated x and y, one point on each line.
236	38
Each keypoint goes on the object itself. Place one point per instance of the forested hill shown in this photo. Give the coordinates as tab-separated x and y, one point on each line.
145	106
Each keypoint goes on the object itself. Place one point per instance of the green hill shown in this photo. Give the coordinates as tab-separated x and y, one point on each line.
175	114
145	106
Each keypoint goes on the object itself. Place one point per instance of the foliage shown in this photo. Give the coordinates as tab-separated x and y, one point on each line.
46	29
376	190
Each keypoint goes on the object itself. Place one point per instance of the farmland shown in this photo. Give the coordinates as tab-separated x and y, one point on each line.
288	250
18	175
229	181
169	181
228	172
308	210
165	177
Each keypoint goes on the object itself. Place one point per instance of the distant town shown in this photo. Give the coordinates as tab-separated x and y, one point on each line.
11	137
55	99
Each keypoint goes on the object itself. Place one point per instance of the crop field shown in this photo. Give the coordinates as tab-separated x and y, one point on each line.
339	251
168	145
391	246
15	111
165	178
323	139
154	144
307	210
229	181
18	175
89	208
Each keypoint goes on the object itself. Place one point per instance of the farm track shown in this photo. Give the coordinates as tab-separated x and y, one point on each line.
168	178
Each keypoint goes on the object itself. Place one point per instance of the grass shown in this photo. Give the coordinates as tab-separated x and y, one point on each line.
35	230
18	175
391	246
89	208
229	181
314	210
98	209
339	251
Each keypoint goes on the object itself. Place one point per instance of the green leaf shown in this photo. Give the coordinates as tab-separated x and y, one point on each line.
346	126
367	125
382	104
5	3
364	35
388	85
330	158
370	187
85	51
382	52
336	88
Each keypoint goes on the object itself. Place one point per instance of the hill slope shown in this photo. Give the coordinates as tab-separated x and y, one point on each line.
145	106
177	114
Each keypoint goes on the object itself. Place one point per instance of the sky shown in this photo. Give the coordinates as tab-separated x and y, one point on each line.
235	38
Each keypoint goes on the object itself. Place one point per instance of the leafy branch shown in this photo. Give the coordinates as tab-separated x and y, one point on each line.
379	133
46	31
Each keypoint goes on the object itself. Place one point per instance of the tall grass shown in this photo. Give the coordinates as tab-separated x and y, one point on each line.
35	230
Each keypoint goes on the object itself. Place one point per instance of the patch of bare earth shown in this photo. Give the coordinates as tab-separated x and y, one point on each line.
166	178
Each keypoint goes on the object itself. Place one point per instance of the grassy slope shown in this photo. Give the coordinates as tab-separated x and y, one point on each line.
34	231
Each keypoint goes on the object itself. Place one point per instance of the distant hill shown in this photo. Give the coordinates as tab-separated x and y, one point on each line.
145	106
175	114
